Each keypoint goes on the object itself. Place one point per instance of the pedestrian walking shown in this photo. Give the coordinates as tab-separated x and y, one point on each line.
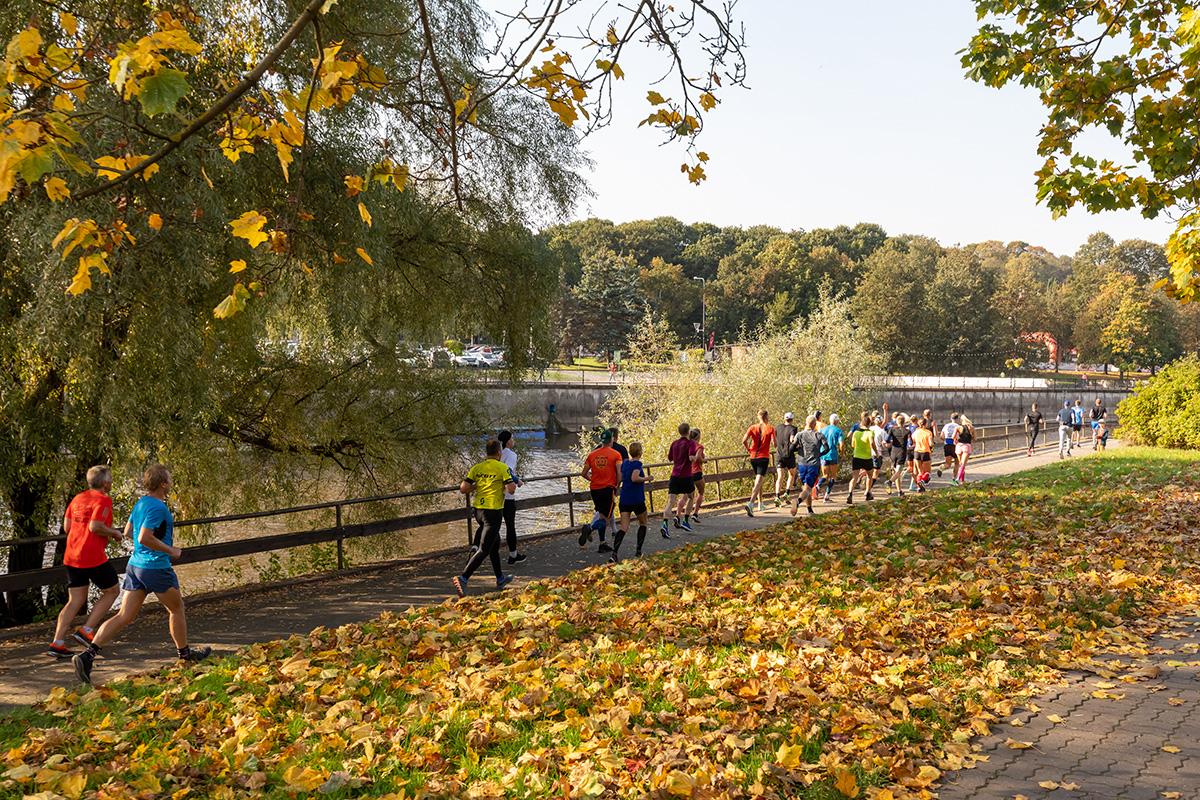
1066	419
151	525
487	483
758	441
88	523
1033	426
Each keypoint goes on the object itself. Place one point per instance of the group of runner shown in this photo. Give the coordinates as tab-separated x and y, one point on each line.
1070	426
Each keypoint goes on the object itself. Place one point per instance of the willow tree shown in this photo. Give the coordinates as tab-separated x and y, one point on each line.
220	220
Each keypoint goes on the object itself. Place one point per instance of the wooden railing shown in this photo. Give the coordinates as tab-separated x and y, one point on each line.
989	440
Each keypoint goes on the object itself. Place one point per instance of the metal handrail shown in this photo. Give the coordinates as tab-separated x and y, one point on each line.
341	531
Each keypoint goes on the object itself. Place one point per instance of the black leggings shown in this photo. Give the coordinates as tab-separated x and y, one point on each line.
510	524
1032	434
489	525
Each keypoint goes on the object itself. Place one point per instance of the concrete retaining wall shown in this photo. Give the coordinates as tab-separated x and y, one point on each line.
580	404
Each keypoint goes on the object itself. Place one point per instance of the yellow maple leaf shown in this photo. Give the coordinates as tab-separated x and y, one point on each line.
1048	785
24	44
364	255
655	98
237	265
155	222
1170	748
302	779
354	185
68	23
789	755
846	783
56	189
1013	744
707	101
679	783
249	227
72	784
364	213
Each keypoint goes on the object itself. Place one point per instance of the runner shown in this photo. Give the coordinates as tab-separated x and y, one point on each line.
923	447
829	462
621	451
509	456
758	441
490	481
1102	433
632	501
863	453
812	445
1033	425
1097	415
881	445
949	445
680	487
963	446
785	457
901	451
1066	417
152	528
1077	422
602	469
88	525
911	456
697	498
927	415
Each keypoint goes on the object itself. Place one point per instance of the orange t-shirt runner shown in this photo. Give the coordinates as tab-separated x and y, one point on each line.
605	464
84	548
922	441
762	439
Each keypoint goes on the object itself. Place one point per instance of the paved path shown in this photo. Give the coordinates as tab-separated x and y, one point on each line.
1136	738
27	674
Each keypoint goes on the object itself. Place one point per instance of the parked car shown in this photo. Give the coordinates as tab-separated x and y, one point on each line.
470	360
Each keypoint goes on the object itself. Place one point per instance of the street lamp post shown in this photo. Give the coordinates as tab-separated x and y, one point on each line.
703	313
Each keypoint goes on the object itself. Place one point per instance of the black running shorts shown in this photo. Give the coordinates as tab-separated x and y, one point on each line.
862	463
760	465
786	462
633	508
681	484
103	575
602	499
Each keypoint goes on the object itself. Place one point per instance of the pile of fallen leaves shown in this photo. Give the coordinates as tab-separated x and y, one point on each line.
849	655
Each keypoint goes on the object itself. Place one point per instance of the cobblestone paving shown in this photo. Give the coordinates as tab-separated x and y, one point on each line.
1132	735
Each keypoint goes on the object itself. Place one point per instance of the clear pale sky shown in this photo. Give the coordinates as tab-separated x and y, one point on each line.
857	112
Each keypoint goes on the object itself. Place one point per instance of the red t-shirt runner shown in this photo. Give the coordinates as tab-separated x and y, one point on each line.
698	464
681	457
605	464
762	439
84	548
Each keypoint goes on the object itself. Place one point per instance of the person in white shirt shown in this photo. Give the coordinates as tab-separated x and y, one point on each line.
881	442
509	456
950	445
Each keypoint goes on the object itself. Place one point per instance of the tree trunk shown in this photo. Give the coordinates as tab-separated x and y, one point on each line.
29	507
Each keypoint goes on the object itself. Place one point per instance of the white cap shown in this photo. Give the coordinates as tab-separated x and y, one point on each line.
834	417
789	415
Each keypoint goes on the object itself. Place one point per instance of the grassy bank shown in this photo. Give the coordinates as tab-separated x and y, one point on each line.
849	655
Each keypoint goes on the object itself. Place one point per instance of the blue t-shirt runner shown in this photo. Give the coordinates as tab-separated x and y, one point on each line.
150	512
632	494
834	435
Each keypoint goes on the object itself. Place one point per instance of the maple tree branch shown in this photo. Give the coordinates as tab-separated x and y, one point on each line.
427	30
232	96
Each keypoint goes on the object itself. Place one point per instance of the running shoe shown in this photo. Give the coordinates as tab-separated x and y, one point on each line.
613	559
516	558
196	654
83	637
638	553
677	525
604	548
749	510
849	499
83	665
870	497
59	651
503	580
585	535
666	534
696	519
460	586
685	526
761	507
777	503
810	509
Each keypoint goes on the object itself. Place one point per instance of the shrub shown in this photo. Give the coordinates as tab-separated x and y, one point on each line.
1165	411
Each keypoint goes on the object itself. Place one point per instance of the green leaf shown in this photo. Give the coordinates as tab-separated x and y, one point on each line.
35	164
162	90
